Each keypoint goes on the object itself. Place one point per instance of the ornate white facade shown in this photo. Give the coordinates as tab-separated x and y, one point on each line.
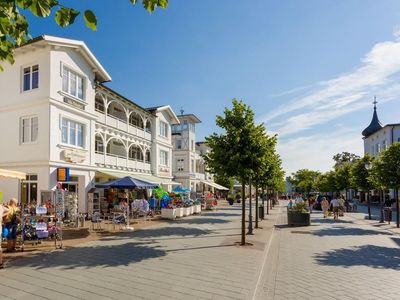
56	112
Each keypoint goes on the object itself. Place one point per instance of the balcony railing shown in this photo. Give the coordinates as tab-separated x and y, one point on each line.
122	162
122	125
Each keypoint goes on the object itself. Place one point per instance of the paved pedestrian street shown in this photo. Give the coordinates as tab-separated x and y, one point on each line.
198	258
343	259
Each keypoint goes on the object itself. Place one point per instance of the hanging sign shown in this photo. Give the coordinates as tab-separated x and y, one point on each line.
62	174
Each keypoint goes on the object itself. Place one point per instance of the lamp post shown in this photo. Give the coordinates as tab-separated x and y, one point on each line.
368	167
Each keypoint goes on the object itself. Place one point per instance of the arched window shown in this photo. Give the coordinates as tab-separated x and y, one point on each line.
117	110
136	120
148	127
135	153
99	145
148	156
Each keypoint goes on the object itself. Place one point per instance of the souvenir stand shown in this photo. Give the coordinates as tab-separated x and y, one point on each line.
124	185
8	174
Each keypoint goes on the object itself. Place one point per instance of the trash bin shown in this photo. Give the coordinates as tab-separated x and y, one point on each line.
387	214
261	212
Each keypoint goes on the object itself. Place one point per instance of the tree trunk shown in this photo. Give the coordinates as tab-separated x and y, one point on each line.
243	242
267	202
250	213
256	226
397	208
263	202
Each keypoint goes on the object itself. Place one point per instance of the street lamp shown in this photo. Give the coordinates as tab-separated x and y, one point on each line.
368	167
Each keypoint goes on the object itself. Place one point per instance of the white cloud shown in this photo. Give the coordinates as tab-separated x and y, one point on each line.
316	151
331	99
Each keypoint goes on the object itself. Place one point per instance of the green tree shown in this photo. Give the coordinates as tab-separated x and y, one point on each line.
344	158
14	26
385	171
360	174
304	180
233	151
326	182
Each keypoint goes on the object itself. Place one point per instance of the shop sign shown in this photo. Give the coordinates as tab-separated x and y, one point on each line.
62	174
59	203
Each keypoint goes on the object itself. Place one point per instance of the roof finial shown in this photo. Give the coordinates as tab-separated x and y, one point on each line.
182	111
375	102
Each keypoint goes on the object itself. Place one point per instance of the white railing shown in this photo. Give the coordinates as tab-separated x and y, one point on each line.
200	176
101	117
99	158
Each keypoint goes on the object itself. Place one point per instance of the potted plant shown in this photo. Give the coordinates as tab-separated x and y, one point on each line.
298	215
168	213
230	199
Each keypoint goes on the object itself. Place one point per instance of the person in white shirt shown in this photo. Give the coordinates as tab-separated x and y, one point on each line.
335	206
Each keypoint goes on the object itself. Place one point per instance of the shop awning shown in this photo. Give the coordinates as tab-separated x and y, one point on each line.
214	185
12	174
149	178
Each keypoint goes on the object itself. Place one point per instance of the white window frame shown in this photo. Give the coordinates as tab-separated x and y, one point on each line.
163	159
29	141
180	164
30	66
77	74
69	123
164	129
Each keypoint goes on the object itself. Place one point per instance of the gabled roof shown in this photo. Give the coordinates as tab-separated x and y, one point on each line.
168	109
97	68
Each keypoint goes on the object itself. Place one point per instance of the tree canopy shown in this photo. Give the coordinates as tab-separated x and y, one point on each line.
14	26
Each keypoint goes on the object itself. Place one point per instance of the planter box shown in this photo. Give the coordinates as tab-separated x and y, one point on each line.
197	209
186	211
179	212
298	219
168	213
191	210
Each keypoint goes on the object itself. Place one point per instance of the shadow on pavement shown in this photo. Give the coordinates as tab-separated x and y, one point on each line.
397	241
201	221
367	255
345	231
220	214
330	221
96	256
159	233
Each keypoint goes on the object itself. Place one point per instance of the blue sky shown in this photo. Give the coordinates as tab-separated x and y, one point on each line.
308	68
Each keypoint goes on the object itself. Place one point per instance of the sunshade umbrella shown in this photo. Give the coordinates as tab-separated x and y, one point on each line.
128	183
180	189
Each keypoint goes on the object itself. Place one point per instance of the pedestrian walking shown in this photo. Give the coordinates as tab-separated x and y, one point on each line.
11	224
335	207
290	204
3	213
325	206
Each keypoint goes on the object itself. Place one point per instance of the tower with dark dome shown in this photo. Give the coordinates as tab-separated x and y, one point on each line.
375	124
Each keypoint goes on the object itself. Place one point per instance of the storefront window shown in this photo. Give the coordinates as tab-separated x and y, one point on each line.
29	189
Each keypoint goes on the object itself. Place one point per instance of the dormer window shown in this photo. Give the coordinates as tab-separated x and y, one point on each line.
30	78
72	83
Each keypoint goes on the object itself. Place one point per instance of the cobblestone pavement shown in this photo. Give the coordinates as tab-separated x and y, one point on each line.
192	258
345	259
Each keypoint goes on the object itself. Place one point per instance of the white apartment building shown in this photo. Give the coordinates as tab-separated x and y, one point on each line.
189	167
377	137
56	112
